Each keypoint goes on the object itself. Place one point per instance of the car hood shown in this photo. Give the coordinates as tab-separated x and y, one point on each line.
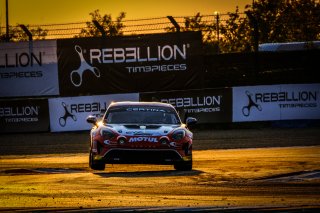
144	130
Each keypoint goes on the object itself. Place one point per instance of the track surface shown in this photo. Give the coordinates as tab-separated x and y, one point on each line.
263	178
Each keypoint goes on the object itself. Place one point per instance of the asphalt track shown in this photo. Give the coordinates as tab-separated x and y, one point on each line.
257	170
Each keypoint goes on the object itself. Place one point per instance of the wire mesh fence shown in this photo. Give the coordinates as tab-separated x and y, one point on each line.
222	33
131	27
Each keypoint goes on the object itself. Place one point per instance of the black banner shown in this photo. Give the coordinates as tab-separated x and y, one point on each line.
157	62
24	116
208	105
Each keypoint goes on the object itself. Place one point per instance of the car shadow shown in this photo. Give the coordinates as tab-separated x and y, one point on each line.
163	173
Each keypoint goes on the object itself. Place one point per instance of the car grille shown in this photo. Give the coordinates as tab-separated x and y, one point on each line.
133	156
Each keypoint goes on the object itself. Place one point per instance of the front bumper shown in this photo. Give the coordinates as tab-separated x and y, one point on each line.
142	156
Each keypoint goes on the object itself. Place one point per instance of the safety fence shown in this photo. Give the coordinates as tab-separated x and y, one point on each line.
148	63
72	67
53	85
221	105
130	27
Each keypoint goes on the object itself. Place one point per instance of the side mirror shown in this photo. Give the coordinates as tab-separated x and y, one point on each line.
191	121
92	119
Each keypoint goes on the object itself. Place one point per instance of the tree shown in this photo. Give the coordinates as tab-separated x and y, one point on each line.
2	35
195	23
235	33
111	28
17	34
274	20
286	20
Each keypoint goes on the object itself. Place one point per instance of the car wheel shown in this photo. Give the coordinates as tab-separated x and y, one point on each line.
183	166
95	165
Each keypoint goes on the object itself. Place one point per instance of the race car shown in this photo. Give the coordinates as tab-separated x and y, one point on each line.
141	133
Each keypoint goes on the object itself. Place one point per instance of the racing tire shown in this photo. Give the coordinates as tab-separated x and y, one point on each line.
183	166
95	165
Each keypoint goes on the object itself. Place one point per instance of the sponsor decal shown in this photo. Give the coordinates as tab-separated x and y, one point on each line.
246	109
67	114
22	74
99	66
173	144
140	133
196	104
70	113
131	55
301	99
207	105
24	115
276	102
94	109
84	66
143	127
157	68
29	69
23	59
143	139
134	109
20	60
288	97
107	142
143	54
20	114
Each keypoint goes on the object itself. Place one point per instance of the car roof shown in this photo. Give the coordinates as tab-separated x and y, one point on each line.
135	103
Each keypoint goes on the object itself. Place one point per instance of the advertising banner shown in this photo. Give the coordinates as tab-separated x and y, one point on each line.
70	113
126	64
24	116
276	102
29	69
208	105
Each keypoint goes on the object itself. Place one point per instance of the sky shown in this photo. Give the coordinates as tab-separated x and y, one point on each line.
39	12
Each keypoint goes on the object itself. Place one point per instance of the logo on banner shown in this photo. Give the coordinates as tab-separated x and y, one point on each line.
164	58
197	104
76	75
67	114
21	60
20	114
247	109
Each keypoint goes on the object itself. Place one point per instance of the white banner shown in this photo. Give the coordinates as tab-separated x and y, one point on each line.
29	69
69	114
276	102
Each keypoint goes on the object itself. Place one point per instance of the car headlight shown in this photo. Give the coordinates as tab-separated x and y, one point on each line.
107	134
178	135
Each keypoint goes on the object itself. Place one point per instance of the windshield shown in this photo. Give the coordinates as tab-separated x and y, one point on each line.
141	115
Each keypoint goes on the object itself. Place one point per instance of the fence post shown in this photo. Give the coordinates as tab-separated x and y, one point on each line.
7	21
100	28
26	31
218	29
254	23
175	24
